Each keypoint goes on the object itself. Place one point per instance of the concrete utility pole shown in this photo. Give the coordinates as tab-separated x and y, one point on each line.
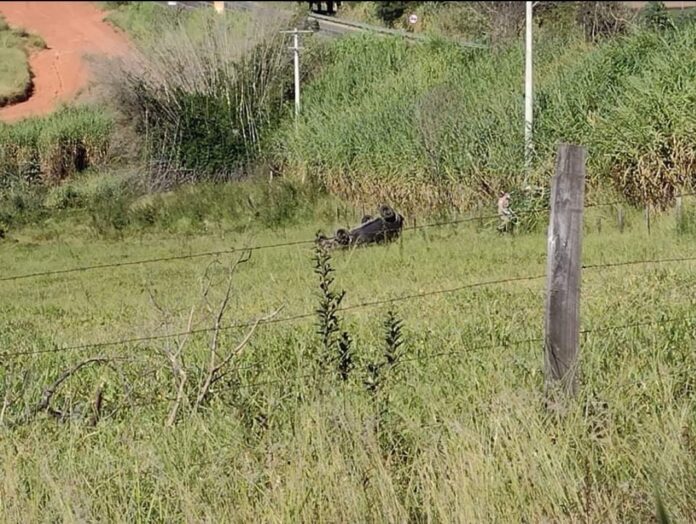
296	51
528	90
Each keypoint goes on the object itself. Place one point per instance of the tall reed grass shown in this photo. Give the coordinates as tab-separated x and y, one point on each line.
204	99
50	149
437	124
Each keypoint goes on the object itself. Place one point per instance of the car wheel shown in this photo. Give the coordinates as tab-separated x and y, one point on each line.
342	237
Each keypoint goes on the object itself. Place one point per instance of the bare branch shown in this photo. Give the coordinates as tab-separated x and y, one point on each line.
244	257
214	372
96	407
44	403
178	369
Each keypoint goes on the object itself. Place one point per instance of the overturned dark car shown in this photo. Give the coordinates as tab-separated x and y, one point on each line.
373	230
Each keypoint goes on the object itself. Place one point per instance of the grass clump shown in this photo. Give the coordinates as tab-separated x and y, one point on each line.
52	148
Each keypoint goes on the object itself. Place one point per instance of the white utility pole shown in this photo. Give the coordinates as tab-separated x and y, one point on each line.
528	90
296	52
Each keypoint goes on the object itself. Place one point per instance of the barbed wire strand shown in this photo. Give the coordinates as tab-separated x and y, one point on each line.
256	248
625	203
112	265
637	262
301	316
269	321
418	358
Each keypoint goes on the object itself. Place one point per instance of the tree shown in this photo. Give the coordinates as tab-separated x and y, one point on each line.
389	12
655	16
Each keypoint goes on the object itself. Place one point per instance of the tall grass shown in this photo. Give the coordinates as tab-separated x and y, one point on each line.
440	125
460	433
52	148
203	100
114	203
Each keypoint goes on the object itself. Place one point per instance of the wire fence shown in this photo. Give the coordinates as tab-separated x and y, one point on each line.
308	315
203	254
8	355
237	386
114	265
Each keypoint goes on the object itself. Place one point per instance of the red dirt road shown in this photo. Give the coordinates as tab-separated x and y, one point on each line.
71	30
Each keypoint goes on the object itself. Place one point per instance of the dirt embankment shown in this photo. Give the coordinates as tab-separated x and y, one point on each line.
71	30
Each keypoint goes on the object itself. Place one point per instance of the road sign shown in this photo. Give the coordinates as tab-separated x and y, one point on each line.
412	19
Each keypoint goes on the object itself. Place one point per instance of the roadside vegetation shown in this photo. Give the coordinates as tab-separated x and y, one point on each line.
374	389
440	124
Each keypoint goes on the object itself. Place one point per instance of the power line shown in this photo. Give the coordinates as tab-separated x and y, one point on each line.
269	321
207	253
346	308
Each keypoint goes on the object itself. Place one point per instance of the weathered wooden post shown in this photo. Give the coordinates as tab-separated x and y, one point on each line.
647	217
563	274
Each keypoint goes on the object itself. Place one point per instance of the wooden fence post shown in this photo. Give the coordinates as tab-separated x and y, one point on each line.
620	218
563	274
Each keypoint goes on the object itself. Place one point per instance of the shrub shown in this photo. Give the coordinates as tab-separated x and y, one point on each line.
654	15
205	101
389	12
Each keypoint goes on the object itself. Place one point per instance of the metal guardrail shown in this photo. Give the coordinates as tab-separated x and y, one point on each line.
248	6
387	31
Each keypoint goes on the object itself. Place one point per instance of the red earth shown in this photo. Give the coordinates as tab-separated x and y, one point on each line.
71	30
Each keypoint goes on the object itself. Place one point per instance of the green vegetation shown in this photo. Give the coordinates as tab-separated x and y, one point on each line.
437	124
133	202
455	431
419	410
54	147
15	77
206	93
139	19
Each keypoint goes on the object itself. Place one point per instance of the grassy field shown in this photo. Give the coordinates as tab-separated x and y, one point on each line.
15	77
448	426
457	431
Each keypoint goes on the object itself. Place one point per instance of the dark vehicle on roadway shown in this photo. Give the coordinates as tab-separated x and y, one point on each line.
373	230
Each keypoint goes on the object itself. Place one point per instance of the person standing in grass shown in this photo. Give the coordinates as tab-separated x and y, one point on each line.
505	213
